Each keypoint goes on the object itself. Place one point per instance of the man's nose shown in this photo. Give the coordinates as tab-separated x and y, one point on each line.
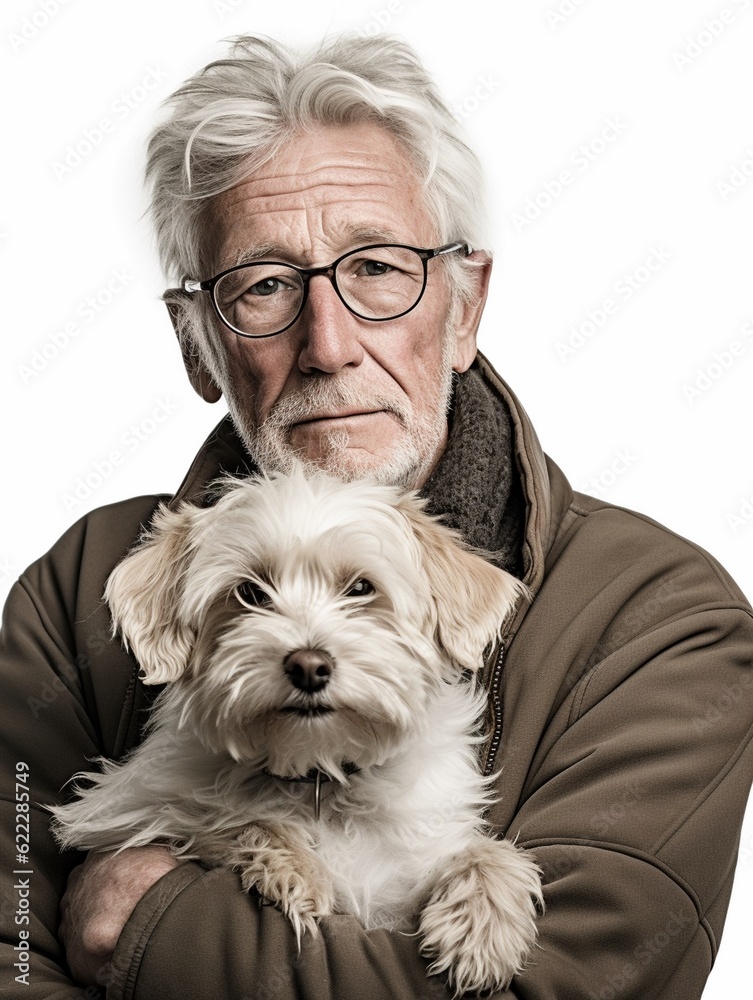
329	331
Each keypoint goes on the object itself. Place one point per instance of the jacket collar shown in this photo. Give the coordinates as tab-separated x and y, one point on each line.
546	490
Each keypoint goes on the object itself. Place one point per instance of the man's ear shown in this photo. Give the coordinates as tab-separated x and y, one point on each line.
469	312
198	376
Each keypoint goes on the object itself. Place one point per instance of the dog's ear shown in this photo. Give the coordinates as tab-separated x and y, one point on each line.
144	592
472	597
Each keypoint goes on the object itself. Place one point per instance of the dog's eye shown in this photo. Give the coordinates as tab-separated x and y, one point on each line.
361	588
252	596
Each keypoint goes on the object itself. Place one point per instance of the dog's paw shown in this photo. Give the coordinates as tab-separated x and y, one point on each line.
479	926
276	860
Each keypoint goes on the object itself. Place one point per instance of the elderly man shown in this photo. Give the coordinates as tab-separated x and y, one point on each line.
320	217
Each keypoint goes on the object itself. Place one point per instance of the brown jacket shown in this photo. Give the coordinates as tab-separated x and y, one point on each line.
620	718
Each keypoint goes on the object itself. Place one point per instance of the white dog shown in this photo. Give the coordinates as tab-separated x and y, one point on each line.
319	726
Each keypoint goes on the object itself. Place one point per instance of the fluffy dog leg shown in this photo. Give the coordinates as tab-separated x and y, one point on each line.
277	859
479	925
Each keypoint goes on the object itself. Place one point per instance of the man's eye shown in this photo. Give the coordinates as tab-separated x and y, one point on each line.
375	268
252	595
361	588
268	286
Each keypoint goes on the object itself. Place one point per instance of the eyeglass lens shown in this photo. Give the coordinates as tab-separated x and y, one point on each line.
377	283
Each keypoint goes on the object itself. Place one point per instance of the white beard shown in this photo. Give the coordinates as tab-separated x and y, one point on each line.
410	459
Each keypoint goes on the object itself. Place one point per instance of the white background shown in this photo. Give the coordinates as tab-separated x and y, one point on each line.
650	408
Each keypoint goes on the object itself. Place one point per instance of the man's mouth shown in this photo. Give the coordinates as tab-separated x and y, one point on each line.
344	415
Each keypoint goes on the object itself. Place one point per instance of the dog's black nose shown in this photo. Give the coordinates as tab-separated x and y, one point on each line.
309	669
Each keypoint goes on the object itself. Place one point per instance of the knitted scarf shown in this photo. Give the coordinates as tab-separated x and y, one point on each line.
474	487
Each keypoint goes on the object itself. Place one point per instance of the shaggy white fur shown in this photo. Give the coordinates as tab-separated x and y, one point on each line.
306	627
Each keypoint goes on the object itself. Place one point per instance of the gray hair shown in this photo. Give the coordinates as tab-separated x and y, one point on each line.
235	114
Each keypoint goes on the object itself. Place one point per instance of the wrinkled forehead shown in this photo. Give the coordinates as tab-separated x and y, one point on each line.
321	195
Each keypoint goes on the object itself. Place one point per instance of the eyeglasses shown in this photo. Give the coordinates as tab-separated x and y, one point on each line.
379	282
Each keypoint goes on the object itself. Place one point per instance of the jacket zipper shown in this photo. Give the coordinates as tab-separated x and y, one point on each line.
495	688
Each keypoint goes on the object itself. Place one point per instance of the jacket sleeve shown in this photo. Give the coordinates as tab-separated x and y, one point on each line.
65	689
628	719
196	933
634	814
47	737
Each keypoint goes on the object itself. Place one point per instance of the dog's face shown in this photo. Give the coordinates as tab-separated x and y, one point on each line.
306	622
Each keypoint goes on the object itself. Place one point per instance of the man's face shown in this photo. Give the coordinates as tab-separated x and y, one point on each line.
352	396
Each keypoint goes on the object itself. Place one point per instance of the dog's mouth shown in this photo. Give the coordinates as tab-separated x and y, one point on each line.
307	711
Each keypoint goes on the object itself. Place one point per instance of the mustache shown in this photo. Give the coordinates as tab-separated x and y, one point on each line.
323	394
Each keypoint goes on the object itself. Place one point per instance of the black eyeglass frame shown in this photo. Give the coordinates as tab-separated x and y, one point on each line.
190	286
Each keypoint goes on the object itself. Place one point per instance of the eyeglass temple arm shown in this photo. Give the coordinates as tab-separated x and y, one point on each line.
466	249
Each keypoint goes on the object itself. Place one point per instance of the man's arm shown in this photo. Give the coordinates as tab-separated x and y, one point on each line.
196	934
47	738
634	912
65	690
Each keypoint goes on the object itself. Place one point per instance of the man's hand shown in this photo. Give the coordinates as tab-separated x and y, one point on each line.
99	899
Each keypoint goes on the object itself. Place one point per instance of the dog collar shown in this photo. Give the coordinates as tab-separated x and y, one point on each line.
314	777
